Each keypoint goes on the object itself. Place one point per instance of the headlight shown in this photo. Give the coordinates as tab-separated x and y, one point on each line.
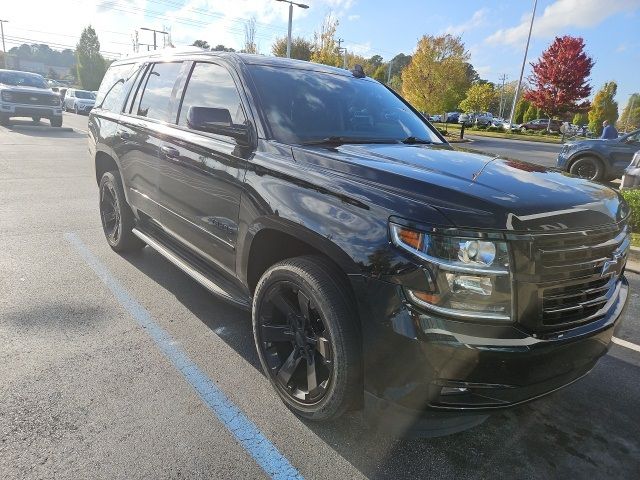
7	96
468	277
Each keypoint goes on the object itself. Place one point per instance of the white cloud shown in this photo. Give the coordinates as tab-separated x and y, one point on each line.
353	18
477	19
363	49
559	16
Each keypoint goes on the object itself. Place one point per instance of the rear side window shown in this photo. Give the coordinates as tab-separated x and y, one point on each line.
156	98
211	85
112	92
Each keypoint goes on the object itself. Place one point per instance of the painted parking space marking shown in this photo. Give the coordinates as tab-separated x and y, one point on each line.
626	344
265	454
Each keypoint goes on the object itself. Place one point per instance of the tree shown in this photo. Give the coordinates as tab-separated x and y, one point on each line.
630	118
436	79
381	73
479	98
560	79
325	45
604	107
222	48
201	44
530	114
580	119
250	45
301	48
375	62
90	63
521	108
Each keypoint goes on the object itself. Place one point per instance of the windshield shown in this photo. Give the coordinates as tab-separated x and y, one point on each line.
85	95
22	79
303	106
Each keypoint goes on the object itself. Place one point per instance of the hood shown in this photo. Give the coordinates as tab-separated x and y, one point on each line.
17	88
475	190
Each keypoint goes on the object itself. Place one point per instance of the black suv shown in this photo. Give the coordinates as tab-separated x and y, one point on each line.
383	268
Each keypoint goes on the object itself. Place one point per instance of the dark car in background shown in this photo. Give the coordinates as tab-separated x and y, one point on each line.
24	94
599	159
383	268
541	124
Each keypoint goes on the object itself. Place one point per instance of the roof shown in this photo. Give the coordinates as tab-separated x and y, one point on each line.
245	58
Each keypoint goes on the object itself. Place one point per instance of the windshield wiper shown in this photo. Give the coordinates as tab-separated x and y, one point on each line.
415	141
340	140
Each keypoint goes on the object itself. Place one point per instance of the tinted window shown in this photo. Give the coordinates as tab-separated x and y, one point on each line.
84	94
112	89
212	86
156	98
303	106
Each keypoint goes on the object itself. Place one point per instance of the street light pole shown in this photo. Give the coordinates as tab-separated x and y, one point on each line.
524	61
291	4
2	22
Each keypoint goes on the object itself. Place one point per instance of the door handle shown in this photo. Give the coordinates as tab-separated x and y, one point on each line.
169	152
125	135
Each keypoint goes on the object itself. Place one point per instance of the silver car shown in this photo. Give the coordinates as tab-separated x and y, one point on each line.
631	177
78	101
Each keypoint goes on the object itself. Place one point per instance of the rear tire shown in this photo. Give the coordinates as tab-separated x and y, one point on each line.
35	119
116	215
4	120
590	168
306	334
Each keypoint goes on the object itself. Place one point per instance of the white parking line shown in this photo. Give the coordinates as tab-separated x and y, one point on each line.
624	343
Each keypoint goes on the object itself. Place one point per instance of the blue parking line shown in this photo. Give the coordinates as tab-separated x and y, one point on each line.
244	430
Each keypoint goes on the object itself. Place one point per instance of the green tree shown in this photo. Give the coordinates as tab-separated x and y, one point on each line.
325	44
222	48
89	62
436	79
580	119
381	73
300	48
530	114
604	107
479	98
630	118
521	108
201	44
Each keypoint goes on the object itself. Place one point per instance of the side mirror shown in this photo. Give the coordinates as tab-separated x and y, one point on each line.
218	121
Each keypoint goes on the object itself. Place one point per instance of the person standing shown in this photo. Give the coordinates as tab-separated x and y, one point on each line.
609	132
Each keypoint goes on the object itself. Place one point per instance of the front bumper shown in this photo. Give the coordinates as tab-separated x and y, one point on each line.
421	364
19	110
85	108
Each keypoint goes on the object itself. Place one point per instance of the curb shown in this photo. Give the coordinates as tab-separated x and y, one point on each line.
41	128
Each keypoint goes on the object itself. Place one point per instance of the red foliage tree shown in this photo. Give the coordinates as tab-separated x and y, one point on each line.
560	78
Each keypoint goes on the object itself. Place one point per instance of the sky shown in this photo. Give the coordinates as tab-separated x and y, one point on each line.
494	32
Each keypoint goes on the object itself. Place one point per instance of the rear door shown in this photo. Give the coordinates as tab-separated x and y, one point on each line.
142	131
622	152
201	174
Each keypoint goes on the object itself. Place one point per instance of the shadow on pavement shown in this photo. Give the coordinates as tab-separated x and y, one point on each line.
588	429
42	128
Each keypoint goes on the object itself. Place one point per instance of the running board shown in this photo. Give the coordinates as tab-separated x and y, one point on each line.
196	274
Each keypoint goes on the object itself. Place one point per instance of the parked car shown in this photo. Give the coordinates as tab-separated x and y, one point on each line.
483	119
435	118
79	101
541	124
383	269
466	119
452	117
24	94
631	177
599	159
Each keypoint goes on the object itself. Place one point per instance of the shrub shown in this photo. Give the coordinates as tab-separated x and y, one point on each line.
633	199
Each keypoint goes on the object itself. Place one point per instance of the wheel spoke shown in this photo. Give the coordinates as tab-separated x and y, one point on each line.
283	305
289	367
303	303
276	333
312	381
322	346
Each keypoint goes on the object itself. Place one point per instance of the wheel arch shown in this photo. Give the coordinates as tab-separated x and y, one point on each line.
588	153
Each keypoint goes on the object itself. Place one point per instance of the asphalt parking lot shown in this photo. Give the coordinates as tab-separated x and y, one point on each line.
122	367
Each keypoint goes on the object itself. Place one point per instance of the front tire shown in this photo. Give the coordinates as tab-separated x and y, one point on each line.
4	120
305	330
56	122
35	119
116	215
588	167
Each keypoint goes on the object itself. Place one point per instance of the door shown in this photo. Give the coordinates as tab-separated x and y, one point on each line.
141	132
622	151
201	174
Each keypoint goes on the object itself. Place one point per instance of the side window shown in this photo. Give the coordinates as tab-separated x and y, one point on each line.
112	90
156	98
211	85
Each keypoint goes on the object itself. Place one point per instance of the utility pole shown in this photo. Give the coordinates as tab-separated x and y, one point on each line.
155	43
389	71
524	60
291	4
503	78
4	50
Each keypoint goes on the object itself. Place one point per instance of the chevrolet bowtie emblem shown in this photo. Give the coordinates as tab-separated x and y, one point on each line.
614	265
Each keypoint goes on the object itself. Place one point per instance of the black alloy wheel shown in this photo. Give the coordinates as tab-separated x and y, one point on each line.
588	167
110	212
296	344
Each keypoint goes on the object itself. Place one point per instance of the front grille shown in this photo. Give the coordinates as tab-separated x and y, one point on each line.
25	98
572	275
